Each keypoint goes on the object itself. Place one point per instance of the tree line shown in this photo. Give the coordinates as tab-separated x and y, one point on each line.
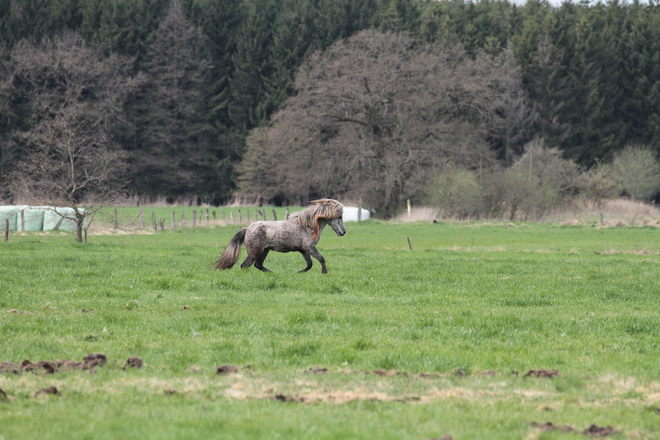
188	92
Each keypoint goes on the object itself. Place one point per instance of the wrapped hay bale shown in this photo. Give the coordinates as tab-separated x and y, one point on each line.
61	219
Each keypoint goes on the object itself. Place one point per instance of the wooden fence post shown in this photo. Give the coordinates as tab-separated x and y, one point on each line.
207	216
161	223
214	218
248	216
195	217
153	221
360	212
231	215
274	215
23	220
116	220
286	214
85	234
183	218
173	223
6	229
142	216
240	217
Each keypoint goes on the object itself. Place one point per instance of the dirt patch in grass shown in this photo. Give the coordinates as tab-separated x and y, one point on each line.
226	369
542	373
50	367
134	362
8	367
592	430
48	390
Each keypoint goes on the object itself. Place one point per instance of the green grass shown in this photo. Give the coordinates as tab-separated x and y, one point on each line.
475	297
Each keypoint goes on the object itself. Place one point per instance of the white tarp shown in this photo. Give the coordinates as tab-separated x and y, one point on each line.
351	214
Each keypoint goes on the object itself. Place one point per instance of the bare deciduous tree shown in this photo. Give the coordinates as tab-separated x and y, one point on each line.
67	156
371	117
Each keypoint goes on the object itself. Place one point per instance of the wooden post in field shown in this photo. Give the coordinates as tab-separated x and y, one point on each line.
161	223
360	212
173	223
6	229
85	234
263	213
207	216
116	220
153	221
214	215
23	220
231	215
247	213
142	216
223	214
183	218
240	217
274	215
194	217
286	214
408	209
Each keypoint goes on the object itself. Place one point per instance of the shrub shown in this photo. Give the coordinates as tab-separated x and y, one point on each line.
636	172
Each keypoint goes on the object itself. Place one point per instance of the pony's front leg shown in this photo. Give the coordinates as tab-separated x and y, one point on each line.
319	257
308	260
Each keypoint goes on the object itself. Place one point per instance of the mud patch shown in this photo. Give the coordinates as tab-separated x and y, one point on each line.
134	362
94	359
429	375
8	367
592	430
226	369
600	431
49	390
542	373
47	367
285	398
549	426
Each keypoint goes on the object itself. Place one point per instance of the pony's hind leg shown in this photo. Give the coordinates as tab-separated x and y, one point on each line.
253	256
259	264
308	260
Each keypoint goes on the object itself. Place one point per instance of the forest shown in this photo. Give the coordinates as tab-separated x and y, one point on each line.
280	101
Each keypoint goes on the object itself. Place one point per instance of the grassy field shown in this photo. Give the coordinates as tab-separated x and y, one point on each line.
391	344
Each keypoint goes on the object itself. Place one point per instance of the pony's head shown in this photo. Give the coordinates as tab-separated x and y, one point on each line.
328	210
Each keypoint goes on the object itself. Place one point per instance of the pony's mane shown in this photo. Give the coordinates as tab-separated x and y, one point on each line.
321	209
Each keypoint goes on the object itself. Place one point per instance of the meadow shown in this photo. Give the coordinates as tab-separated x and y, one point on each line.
392	343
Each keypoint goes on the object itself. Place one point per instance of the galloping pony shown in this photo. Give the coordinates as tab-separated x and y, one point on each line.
300	233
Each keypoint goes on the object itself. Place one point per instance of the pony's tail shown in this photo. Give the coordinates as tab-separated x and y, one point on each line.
232	251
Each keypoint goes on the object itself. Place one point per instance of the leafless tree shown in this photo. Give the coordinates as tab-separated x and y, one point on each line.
67	156
370	119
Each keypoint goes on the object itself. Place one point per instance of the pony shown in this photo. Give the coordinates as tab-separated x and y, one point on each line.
300	233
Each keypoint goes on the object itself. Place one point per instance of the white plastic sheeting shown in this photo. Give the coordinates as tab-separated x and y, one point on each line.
52	217
11	213
351	214
32	218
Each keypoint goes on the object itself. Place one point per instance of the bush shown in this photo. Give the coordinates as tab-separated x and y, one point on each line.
636	172
457	192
